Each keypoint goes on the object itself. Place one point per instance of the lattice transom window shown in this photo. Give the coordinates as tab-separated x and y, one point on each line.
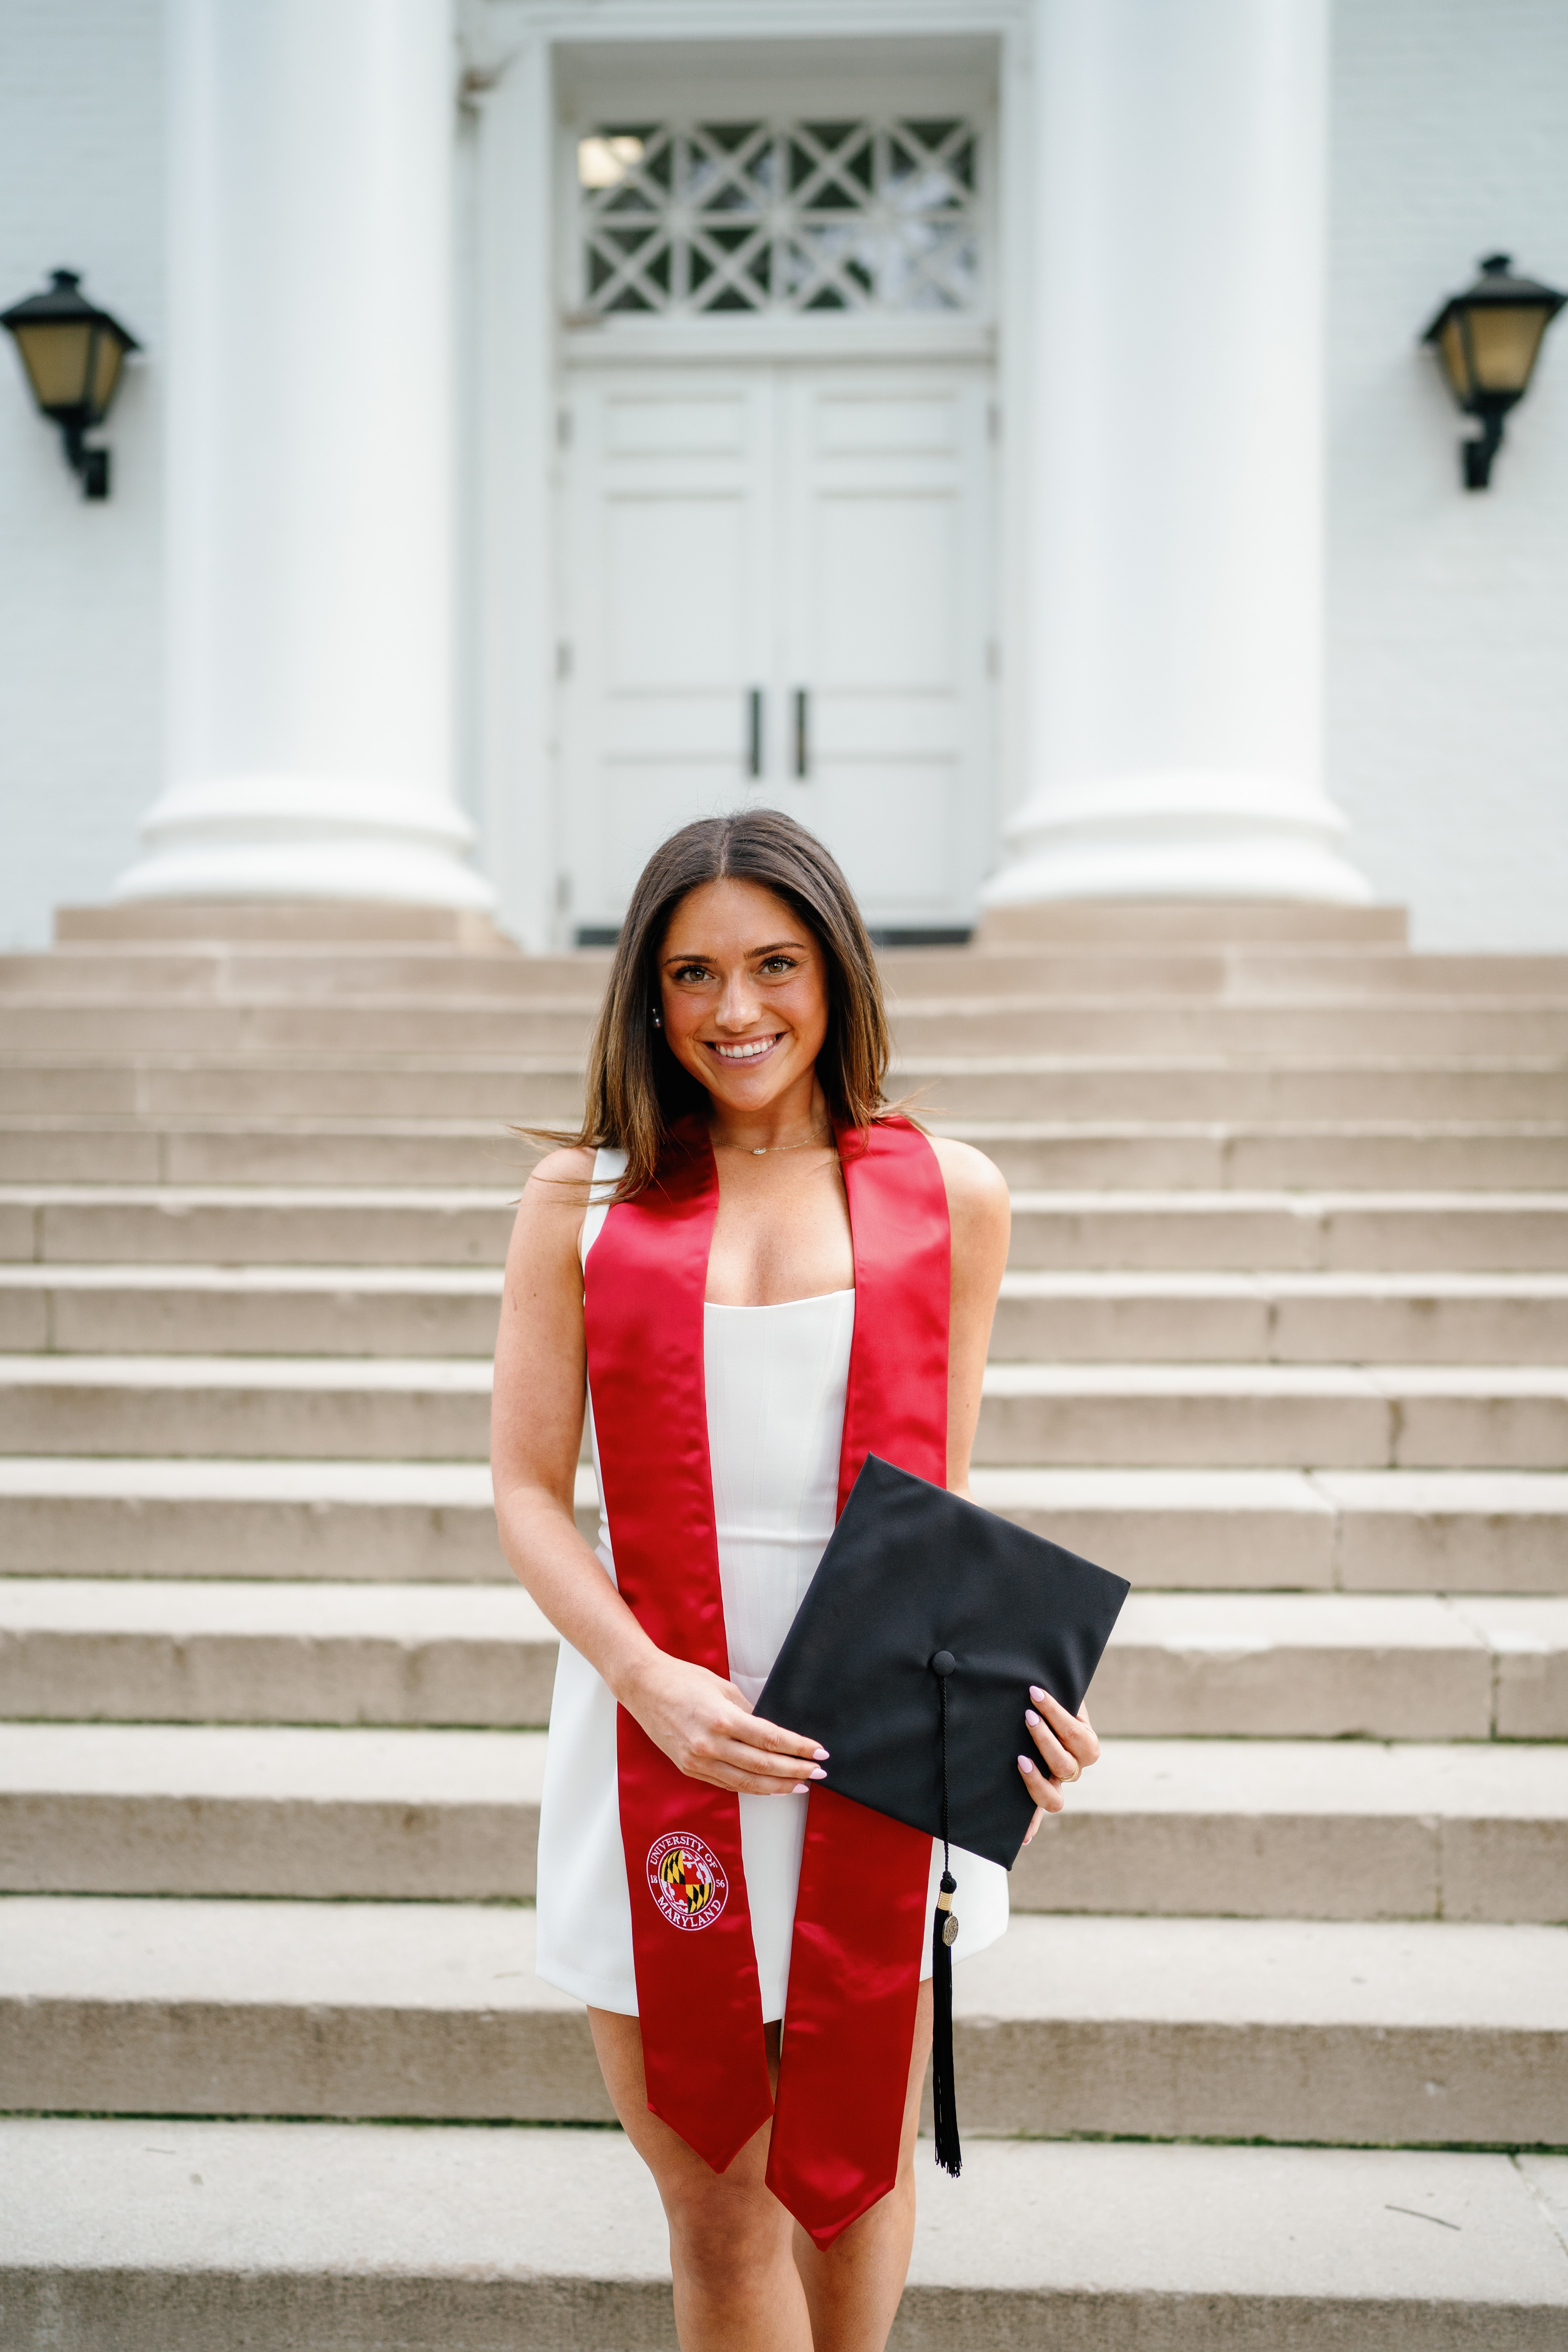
695	218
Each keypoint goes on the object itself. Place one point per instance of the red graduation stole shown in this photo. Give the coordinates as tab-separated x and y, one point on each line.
859	1920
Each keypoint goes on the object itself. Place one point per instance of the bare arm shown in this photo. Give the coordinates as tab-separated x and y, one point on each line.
699	1721
981	1218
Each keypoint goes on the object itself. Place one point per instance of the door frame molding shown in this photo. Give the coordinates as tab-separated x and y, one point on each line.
512	351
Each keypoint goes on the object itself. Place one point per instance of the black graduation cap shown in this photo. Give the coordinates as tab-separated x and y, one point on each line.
910	1660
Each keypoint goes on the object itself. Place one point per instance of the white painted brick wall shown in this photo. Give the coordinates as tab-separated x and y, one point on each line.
1447	718
81	636
1448	614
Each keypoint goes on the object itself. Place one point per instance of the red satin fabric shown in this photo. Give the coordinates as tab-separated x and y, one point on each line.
861	1910
696	1992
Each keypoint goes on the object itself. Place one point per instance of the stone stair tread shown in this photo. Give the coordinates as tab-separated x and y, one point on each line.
567	991
1034	1283
1492	1027
1052	1380
1309	1666
274	1764
1248	1828
1183	1283
452	1485
173	1199
977	1128
455	1375
184	1609
1446	1780
1205	1621
437	2235
99	1307
1470	1780
386	1224
214	1516
984	1131
421	1281
443	1955
906	1067
1080	1201
1304	1204
1206	1624
1089	1411
463	1374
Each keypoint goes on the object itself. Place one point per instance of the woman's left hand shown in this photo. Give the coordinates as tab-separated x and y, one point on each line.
1066	1742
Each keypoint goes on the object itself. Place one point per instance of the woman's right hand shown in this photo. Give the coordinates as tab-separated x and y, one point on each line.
706	1728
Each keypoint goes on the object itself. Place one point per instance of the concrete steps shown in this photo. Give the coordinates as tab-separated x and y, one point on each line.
232	968
1395	1417
1068	1316
127	2237
1125	1231
1460	1154
1378	1416
1374	1531
1276	1828
187	1089
1504	1024
1302	2031
1285	1666
1360	1317
1285	1339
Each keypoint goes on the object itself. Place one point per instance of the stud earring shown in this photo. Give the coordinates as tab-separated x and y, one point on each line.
657	1016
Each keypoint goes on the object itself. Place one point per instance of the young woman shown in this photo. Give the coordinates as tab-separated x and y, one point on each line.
760	1273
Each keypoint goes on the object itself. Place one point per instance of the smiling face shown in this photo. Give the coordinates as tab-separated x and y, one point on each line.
743	989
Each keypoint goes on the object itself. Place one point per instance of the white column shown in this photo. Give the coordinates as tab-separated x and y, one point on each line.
310	458
1173	450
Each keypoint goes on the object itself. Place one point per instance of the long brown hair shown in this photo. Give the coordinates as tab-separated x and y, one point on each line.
636	1088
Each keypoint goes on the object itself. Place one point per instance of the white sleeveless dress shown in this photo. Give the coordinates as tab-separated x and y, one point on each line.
777	1378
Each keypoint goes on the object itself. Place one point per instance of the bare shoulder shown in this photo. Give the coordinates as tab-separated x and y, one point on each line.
570	1170
554	1200
976	1188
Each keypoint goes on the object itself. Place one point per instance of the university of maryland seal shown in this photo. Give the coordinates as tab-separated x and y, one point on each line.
686	1879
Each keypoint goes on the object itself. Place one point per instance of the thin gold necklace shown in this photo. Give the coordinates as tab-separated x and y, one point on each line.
760	1150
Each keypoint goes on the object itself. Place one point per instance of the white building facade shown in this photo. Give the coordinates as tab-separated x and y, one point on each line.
996	433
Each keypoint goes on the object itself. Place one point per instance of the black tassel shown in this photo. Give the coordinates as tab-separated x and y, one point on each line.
944	2108
943	1930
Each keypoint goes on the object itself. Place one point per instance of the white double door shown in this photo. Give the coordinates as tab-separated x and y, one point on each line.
776	588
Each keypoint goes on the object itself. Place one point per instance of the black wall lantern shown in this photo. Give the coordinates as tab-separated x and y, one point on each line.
73	354
1487	341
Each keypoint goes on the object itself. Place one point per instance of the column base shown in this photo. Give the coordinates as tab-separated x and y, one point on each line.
1177	835
299	837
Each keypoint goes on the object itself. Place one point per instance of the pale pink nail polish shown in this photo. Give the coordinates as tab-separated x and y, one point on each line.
819	1755
1036	1694
1031	1719
817	1773
1023	1763
801	1789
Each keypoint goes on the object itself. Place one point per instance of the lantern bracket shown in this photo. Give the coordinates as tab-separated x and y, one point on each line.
1478	453
91	466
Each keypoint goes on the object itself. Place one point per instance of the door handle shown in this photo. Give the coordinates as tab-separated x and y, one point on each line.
802	735
755	731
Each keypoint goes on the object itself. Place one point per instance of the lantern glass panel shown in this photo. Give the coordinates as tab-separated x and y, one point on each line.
1456	359
56	356
106	365
1505	340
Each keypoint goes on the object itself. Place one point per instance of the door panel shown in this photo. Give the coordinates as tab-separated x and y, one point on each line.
890	620
883	619
666	600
